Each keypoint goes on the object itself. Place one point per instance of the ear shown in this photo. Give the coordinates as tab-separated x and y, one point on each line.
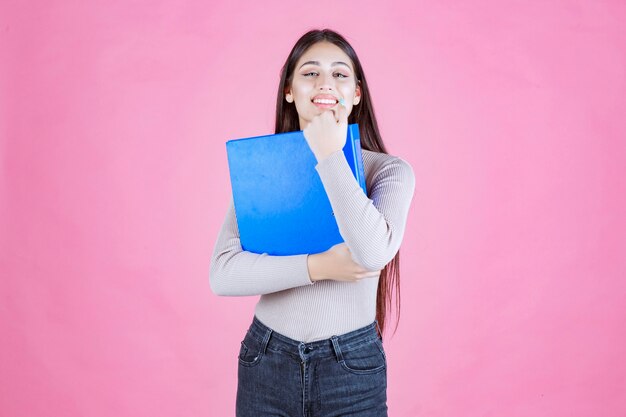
357	94
288	96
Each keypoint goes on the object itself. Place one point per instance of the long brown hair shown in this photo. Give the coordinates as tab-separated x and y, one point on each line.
287	121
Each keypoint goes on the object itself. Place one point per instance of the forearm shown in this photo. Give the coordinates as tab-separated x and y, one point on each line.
235	272
372	228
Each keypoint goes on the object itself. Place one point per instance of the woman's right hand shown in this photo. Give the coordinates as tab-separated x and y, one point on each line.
337	264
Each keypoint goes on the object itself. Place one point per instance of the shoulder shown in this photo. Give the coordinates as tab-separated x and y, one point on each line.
379	166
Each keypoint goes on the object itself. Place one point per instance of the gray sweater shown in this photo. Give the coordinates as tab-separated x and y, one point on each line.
372	228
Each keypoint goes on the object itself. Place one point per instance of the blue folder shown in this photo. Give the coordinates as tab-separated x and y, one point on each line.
280	202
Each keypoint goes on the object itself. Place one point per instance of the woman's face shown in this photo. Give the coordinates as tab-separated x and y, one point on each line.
323	71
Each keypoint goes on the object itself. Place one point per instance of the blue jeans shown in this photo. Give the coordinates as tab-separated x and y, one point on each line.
344	375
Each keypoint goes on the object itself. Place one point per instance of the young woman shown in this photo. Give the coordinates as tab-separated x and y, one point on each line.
314	347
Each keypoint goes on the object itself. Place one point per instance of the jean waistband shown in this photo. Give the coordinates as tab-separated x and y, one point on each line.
334	345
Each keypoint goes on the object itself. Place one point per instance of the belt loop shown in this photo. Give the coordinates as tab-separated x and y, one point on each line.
380	333
266	339
337	348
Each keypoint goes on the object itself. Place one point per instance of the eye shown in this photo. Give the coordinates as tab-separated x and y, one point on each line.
338	74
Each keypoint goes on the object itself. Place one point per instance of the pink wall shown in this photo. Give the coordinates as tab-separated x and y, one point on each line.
113	185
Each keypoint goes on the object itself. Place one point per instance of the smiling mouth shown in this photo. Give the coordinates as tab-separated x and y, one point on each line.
324	101
324	104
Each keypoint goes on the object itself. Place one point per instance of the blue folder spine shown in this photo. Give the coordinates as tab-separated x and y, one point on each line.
359	172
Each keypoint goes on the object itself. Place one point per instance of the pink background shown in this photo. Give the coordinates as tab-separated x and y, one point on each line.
114	183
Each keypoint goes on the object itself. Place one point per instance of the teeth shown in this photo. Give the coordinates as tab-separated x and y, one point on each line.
324	101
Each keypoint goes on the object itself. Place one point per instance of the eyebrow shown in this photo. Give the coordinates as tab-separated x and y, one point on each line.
332	65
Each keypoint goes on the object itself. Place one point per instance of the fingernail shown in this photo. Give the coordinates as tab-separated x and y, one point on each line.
342	102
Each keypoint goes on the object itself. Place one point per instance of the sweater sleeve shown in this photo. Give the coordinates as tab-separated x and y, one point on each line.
237	272
371	228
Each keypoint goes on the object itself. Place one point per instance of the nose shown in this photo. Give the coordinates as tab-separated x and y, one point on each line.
326	81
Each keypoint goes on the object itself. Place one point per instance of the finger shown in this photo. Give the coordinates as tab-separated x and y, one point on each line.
334	113
337	112
366	275
343	111
329	113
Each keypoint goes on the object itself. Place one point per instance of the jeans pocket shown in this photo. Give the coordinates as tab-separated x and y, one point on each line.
250	352
368	358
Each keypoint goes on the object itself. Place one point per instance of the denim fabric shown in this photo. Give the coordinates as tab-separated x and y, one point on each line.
344	375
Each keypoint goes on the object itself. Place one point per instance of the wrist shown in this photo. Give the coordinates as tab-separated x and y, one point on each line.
325	154
314	267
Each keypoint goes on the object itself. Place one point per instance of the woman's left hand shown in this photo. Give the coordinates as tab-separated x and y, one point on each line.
326	133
